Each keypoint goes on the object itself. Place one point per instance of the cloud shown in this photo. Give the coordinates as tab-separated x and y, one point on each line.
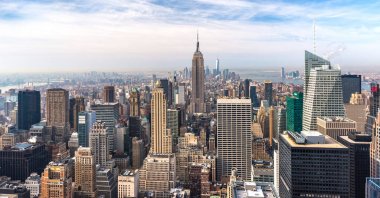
140	35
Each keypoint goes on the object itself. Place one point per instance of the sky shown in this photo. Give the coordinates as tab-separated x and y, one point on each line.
157	35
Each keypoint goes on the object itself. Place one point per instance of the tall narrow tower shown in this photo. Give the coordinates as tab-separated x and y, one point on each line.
85	173
197	82
98	141
161	140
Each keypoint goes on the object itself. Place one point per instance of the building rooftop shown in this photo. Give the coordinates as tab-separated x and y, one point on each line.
22	146
233	100
128	172
336	119
351	141
301	141
249	189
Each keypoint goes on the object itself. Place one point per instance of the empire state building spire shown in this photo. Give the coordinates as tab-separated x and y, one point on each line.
197	42
197	104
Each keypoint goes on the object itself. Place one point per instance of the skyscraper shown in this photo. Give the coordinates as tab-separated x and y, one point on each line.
56	181
85	121
217	67
312	61
158	174
109	114
374	100
375	149
109	94
294	107
323	97
161	137
134	101
268	92
57	114
29	109
246	88
85	173
198	82
166	84
335	126
359	147
309	166
76	106
351	84
234	137
19	161
253	96
98	141
57	107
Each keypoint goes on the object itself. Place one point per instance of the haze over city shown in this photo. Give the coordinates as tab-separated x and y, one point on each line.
70	36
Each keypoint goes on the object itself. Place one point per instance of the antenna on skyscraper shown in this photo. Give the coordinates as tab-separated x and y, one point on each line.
314	46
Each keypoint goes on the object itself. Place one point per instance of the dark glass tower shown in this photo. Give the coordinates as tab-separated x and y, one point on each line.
268	93
246	88
294	108
359	147
253	96
29	108
351	84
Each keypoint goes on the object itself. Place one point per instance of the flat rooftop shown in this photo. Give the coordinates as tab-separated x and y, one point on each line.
347	139
329	143
233	100
336	119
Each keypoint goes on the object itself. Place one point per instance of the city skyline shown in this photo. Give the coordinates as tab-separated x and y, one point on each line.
61	36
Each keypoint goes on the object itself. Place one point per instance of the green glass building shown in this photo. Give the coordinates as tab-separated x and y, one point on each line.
294	105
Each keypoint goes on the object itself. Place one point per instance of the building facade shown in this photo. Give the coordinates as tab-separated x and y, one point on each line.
29	109
234	139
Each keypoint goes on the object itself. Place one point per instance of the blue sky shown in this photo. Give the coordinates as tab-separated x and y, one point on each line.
119	35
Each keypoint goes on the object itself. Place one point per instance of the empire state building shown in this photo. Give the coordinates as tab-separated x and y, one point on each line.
197	82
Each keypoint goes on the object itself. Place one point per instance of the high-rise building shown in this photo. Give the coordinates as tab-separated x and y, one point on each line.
109	94
73	143
323	97
234	143
128	184
309	166
375	149
253	96
217	67
172	124
138	153
33	184
283	75
158	174
85	173
166	84
57	107
268	92
57	114
294	108
98	141
85	121
357	110
76	106
161	137
134	101
359	147
246	88
109	114
312	61
335	126
351	84
374	100
56	180
29	109
106	183
19	161
198	82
